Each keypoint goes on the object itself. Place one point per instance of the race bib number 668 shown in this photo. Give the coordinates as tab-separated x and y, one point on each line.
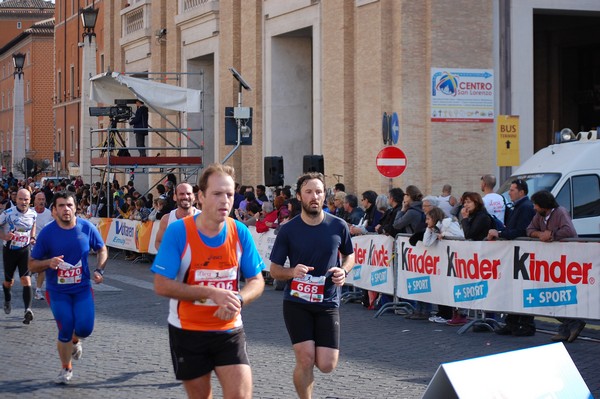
310	288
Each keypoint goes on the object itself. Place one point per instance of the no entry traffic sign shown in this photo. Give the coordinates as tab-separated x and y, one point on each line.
391	162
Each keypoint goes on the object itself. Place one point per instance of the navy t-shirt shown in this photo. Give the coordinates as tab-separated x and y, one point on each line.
317	246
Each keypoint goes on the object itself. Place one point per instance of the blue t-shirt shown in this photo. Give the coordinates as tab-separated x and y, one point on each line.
168	260
75	245
317	246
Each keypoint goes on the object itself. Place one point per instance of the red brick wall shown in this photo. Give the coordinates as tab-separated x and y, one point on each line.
68	33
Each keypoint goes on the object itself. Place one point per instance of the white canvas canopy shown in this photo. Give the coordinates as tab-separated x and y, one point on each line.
164	98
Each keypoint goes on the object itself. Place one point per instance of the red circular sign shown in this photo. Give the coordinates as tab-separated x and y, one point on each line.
391	162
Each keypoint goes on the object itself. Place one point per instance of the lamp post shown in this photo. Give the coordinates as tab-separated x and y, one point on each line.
88	69
88	19
18	141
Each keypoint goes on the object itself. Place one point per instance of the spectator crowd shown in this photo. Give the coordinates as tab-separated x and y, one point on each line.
428	218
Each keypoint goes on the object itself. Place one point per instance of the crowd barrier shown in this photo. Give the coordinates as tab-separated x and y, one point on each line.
131	235
531	277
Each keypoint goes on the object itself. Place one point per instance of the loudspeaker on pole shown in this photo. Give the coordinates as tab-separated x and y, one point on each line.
274	171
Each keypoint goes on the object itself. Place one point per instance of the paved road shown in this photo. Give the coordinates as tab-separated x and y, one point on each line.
127	356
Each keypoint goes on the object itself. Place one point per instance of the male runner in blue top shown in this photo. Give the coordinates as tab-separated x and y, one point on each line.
62	250
313	242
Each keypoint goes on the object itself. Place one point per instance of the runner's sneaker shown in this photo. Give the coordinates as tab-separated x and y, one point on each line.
64	377
77	350
28	316
39	294
7	307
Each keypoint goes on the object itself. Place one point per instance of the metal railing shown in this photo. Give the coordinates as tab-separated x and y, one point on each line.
187	5
133	21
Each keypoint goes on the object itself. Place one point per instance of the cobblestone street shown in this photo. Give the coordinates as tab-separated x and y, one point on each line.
127	356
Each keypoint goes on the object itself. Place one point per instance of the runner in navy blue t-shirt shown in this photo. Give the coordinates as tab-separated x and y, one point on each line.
320	252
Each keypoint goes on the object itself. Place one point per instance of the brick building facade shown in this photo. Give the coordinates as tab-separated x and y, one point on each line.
323	72
36	41
68	77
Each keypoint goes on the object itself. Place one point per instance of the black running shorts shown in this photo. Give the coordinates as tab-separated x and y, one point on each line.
196	353
310	322
13	259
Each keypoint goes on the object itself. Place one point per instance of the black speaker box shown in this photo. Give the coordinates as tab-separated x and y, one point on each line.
273	171
313	163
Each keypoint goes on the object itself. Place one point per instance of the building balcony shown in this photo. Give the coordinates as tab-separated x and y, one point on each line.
193	5
136	22
197	19
190	10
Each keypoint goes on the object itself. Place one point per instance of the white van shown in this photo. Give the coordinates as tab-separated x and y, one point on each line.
570	170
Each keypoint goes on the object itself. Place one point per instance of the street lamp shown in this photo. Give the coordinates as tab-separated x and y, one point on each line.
18	141
18	62
88	19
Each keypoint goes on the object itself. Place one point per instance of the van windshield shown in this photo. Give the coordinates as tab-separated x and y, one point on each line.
535	183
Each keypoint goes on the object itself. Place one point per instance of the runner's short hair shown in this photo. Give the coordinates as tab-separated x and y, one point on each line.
212	169
62	194
309	176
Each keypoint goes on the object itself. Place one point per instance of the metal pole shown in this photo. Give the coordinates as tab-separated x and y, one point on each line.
505	72
239	129
18	142
86	123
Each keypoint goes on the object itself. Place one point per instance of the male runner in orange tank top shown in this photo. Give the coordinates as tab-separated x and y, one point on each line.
198	266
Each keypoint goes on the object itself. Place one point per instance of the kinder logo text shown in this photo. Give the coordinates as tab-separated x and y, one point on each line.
419	263
373	256
122	229
559	270
472	268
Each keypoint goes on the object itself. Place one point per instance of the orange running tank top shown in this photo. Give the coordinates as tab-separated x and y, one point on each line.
208	266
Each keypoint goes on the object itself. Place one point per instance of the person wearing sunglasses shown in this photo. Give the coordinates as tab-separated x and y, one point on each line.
516	226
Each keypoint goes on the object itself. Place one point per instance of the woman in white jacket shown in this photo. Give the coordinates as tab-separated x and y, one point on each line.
439	226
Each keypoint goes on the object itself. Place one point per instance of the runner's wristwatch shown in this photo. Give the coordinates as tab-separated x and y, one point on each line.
99	271
240	299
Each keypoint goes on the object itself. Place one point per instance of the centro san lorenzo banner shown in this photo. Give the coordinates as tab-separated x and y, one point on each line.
462	95
532	277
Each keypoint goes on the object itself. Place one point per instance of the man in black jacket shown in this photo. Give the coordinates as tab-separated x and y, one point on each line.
516	226
140	121
395	198
102	208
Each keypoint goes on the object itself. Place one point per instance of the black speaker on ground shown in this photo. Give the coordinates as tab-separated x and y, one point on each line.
313	163
273	171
